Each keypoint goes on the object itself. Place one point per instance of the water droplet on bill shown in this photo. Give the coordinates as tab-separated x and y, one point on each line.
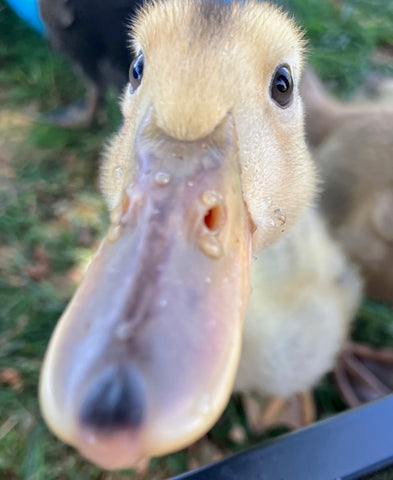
161	179
210	246
211	198
124	331
279	218
114	233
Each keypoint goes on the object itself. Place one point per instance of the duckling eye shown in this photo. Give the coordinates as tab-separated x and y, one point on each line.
281	88
136	71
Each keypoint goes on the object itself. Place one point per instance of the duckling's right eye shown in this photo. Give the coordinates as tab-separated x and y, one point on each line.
136	71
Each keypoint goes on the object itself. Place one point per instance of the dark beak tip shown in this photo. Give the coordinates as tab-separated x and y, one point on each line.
114	401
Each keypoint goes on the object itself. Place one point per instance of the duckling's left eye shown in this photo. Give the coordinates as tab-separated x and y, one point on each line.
136	71
281	88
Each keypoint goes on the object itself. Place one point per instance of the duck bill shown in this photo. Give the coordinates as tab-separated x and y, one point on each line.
142	362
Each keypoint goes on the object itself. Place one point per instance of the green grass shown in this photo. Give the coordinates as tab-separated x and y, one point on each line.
343	35
50	201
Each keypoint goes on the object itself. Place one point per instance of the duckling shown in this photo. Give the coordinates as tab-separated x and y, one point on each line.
353	149
94	35
304	296
208	169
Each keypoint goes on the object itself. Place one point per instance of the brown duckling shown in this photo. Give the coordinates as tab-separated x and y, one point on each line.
353	149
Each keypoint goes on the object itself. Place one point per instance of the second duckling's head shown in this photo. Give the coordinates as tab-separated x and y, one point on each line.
210	162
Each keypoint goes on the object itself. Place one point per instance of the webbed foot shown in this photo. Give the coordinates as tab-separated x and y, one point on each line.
295	412
364	373
202	452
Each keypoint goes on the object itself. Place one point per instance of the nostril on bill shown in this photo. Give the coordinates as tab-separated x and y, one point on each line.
215	218
115	400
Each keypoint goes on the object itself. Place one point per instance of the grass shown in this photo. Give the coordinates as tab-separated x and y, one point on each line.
51	217
343	35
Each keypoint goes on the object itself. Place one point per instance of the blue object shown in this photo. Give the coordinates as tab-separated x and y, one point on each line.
348	446
29	12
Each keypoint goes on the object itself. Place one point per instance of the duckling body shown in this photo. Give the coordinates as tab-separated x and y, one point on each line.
353	149
358	198
304	296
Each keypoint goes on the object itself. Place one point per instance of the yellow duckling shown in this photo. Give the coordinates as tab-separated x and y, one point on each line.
304	296
209	166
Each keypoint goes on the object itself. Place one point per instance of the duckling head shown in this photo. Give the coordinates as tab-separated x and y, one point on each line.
209	164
